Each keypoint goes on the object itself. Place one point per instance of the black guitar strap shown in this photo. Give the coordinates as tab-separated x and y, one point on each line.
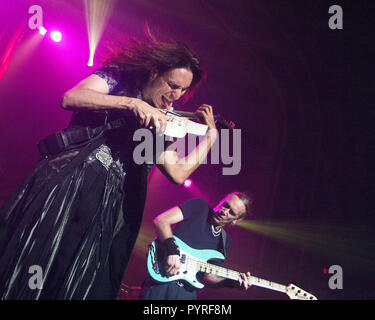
224	238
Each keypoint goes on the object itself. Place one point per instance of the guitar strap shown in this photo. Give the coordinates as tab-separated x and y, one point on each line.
224	239
70	138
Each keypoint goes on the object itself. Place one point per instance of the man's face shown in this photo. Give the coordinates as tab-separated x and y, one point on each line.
163	90
228	210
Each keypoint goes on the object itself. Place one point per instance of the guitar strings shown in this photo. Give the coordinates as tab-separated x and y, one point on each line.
204	266
219	270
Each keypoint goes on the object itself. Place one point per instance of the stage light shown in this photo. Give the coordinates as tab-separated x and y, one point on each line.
56	36
90	63
325	238
188	183
42	31
97	15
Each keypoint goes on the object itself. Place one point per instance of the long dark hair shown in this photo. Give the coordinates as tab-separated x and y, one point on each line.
137	58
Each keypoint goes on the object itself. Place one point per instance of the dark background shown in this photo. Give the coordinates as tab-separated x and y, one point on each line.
300	92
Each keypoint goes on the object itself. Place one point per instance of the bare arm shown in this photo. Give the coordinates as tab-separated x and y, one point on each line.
178	170
163	229
92	93
163	223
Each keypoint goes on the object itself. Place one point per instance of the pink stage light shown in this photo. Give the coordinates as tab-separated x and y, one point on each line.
42	31
188	183
56	35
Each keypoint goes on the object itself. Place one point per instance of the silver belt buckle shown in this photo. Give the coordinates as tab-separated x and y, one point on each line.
104	156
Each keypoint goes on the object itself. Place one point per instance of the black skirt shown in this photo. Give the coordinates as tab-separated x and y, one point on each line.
63	230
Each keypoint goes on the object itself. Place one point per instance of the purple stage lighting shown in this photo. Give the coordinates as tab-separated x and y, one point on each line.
188	183
56	36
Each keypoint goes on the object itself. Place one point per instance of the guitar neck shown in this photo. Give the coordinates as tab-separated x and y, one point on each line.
235	275
192	115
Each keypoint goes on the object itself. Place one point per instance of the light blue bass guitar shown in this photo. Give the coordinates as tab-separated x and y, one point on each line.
195	260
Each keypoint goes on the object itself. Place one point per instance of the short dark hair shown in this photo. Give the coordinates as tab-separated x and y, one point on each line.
247	201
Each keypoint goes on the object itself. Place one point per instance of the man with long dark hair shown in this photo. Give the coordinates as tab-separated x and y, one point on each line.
69	229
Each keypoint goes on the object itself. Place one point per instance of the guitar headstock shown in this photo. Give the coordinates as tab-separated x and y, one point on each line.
224	123
296	293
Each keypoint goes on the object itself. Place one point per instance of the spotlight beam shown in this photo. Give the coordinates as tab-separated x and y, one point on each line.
347	241
97	13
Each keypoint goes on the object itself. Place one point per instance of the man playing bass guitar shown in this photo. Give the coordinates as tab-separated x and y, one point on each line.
195	225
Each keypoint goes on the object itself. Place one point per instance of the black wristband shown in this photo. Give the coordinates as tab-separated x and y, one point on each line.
171	247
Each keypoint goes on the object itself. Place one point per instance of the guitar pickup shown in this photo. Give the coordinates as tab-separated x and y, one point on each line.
183	258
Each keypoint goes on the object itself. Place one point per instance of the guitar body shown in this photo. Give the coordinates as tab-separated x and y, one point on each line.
179	124
195	260
190	259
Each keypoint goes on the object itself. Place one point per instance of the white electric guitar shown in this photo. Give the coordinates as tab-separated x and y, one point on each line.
179	124
194	261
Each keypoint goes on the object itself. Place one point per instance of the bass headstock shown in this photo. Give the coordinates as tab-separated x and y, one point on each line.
296	293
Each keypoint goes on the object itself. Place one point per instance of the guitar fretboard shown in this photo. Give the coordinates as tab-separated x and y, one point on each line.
235	275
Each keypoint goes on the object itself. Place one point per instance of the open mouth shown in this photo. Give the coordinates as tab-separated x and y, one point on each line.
166	103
